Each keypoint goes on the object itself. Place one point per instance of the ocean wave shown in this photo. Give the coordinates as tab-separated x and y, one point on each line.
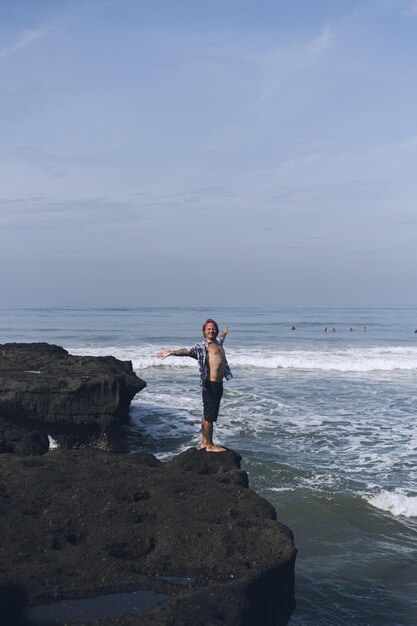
395	502
341	360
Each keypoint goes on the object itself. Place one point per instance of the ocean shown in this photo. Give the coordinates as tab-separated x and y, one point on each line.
325	422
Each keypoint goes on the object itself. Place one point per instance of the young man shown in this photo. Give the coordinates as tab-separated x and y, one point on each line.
213	368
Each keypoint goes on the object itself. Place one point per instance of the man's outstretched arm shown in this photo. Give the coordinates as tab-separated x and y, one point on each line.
168	352
224	333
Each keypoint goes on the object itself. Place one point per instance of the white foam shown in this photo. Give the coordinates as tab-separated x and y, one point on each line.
342	360
52	443
142	356
395	502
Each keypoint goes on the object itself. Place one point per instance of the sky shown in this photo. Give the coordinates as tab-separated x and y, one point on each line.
208	152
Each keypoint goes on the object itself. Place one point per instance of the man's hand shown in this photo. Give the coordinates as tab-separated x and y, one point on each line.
224	332
168	352
164	353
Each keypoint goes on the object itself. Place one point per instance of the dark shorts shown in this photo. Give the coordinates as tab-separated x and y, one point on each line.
212	394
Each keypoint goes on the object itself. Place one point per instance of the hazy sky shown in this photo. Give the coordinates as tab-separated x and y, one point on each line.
208	152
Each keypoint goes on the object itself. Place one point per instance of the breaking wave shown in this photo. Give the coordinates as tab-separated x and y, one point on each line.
395	502
342	360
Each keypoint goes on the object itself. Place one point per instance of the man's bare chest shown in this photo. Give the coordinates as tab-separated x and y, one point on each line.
215	351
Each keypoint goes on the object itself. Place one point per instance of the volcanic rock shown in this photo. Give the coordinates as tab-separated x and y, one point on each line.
75	399
82	523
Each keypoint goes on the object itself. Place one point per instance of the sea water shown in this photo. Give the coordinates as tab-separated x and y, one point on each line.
325	422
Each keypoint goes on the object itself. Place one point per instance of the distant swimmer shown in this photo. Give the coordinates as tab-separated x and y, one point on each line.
293	328
351	329
364	329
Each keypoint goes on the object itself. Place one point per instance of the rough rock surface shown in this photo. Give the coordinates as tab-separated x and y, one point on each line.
76	399
77	523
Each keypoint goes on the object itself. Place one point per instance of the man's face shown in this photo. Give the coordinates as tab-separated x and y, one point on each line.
210	331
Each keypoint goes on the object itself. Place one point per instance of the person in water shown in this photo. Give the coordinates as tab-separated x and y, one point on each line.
213	368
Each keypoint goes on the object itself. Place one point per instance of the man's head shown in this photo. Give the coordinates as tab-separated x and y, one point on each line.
210	329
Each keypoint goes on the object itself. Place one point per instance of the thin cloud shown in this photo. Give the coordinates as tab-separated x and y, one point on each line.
406	7
38	210
322	43
279	63
409	7
25	40
412	8
103	213
300	56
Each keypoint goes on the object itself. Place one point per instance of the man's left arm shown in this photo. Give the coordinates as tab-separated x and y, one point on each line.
223	334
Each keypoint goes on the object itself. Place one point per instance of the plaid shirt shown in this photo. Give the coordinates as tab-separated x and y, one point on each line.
199	352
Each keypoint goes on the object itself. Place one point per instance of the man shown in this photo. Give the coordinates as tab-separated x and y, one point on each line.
213	368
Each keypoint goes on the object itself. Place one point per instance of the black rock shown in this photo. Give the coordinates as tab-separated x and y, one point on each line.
78	400
81	523
34	444
225	465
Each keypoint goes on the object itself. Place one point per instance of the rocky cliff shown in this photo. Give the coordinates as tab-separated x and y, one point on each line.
84	523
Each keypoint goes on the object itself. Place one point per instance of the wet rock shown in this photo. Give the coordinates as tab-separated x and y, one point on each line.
12	606
33	444
225	465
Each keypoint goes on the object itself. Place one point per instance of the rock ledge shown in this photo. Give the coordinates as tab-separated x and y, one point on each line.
79	523
76	399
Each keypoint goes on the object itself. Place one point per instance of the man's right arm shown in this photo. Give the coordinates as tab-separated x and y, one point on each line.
168	352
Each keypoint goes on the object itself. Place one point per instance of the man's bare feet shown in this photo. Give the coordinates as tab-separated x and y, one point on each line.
207	438
214	448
